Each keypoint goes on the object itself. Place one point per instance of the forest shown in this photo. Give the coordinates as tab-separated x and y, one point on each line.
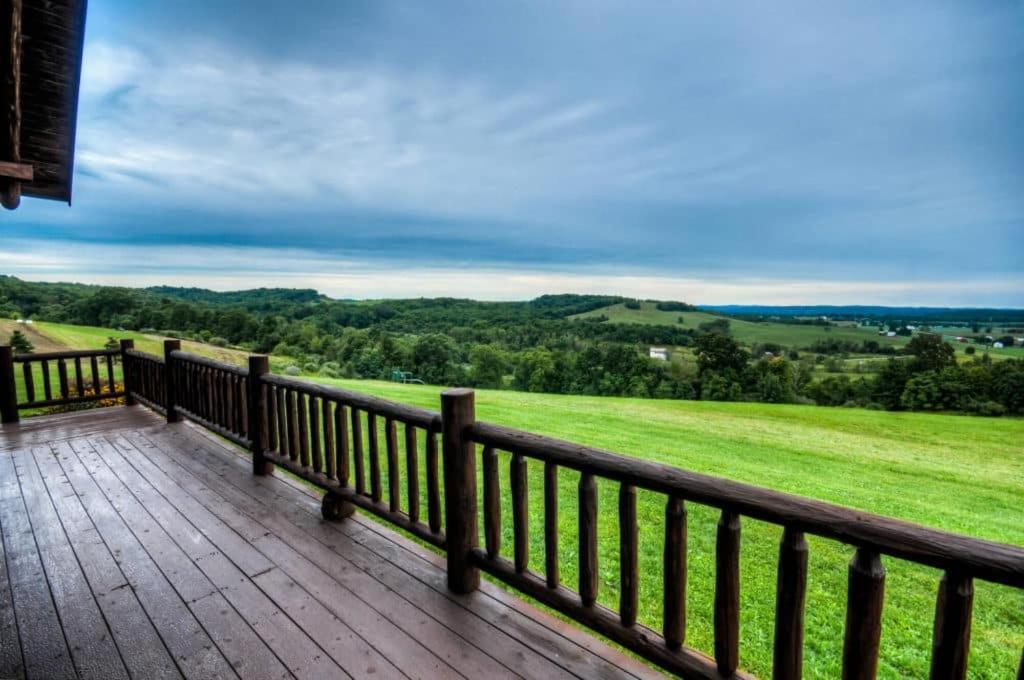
535	346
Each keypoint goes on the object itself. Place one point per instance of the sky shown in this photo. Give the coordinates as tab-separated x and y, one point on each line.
757	152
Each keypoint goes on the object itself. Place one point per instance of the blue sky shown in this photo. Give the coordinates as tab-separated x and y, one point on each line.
749	152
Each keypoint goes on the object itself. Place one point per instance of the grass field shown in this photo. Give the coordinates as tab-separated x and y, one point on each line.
748	332
957	473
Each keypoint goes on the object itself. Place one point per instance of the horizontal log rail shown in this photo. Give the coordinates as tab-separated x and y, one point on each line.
417	469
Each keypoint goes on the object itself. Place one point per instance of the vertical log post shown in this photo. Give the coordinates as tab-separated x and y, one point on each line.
864	598
674	595
791	589
520	513
169	379
628	557
551	524
589	575
458	412
727	593
126	375
259	364
951	641
8	390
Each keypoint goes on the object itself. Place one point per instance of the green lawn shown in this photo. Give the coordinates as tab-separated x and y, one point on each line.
957	473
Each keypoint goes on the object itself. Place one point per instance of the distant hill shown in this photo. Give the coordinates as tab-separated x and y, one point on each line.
873	311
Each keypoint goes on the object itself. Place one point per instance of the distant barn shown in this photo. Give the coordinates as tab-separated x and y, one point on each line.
660	353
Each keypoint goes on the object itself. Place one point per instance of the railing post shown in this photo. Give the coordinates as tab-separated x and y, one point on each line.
8	390
126	345
259	364
170	391
458	412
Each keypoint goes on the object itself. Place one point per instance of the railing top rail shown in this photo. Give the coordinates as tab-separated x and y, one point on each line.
65	354
408	414
988	560
144	355
210	363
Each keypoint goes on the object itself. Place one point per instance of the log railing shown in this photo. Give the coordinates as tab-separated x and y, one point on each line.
961	558
56	379
352	445
362	450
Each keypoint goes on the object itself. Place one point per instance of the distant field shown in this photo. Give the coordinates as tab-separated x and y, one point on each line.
749	332
953	472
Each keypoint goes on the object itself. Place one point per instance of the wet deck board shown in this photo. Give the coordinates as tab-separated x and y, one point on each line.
133	548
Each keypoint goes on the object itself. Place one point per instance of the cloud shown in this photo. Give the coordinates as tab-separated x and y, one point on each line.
855	140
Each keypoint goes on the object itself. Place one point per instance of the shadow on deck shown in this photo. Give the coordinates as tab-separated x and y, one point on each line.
142	549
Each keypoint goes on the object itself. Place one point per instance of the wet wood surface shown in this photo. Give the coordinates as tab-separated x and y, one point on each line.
134	548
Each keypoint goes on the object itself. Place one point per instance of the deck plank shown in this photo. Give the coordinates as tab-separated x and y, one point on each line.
199	566
181	563
191	648
93	650
45	650
277	500
374	613
464	627
142	650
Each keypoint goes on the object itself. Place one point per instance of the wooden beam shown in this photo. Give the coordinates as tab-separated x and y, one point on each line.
10	81
18	171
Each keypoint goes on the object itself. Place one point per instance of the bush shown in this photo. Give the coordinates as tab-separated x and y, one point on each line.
632	304
989	408
218	342
148	331
292	370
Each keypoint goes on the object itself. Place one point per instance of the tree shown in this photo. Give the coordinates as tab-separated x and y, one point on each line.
721	354
890	383
20	344
111	344
930	352
487	366
433	359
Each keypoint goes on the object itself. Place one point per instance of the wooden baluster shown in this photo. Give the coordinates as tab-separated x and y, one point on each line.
551	524
257	423
293	426
674	604
391	443
371	435
357	451
492	503
62	377
30	386
303	417
951	639
865	595
330	464
283	438
272	414
110	374
79	378
314	432
520	513
727	593
341	452
94	366
588	538
433	484
412	471
243	406
47	389
789	606
628	547
170	379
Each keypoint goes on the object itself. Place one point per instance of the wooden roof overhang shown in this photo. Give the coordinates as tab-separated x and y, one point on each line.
40	69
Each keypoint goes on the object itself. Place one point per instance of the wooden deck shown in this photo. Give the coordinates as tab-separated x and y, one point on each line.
133	548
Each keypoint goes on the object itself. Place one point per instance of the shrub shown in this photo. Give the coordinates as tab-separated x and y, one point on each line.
292	370
632	304
218	341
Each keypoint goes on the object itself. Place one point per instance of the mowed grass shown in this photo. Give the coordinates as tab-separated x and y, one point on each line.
957	473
